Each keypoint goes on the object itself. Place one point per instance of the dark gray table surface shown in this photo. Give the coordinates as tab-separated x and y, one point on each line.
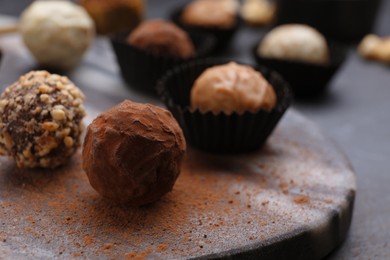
355	113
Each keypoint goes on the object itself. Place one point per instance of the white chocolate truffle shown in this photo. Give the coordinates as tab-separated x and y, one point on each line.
232	88
57	32
295	42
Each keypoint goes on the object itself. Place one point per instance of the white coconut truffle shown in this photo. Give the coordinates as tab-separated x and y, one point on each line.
57	32
295	42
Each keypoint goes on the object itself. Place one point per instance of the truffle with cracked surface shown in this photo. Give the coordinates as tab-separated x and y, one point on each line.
132	153
232	88
41	120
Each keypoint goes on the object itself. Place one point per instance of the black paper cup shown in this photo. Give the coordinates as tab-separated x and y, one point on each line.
141	69
306	79
223	35
222	134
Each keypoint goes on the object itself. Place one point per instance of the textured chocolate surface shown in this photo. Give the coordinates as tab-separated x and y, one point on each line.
132	153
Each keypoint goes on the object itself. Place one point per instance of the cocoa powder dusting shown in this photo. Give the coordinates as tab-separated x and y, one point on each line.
300	199
217	203
132	153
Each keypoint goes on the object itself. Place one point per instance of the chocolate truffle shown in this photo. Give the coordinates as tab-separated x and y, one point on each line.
232	88
57	33
112	16
162	38
133	152
41	120
214	14
295	42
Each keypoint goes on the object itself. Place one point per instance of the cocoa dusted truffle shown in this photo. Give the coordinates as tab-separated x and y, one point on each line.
232	88
41	120
132	153
162	38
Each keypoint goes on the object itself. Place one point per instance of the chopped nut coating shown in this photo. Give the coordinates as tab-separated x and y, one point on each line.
41	120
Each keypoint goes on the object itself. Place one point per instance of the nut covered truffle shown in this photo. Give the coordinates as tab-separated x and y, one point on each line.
57	33
162	38
41	120
232	88
295	42
132	153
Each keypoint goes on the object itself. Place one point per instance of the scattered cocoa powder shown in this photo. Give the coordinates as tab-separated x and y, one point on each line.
64	203
137	255
88	240
216	203
283	185
300	199
162	247
108	246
